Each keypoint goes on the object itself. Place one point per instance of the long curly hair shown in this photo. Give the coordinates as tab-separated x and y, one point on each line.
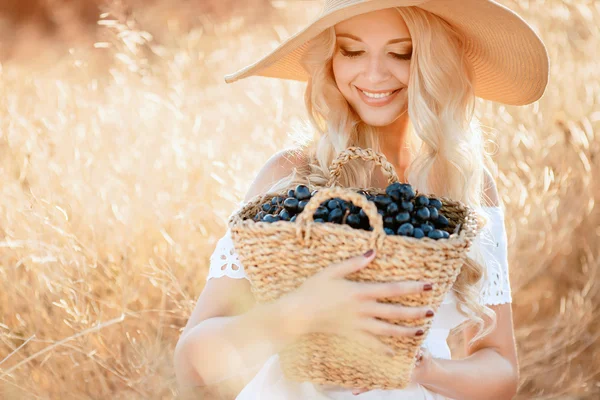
445	138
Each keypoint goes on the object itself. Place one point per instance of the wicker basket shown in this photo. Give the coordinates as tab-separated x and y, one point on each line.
278	257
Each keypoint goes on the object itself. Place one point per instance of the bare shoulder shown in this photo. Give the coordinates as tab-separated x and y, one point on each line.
278	166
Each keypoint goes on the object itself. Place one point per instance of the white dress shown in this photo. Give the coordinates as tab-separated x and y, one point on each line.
489	248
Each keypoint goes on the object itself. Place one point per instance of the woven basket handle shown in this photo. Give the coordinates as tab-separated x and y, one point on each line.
351	153
306	217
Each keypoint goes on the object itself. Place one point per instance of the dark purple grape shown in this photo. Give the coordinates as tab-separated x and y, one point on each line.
393	186
406	229
423	213
293	219
382	200
321	212
389	231
333	204
302	192
418	233
301	205
320	220
426	228
442	221
389	222
433	213
285	215
270	218
354	221
402	217
407	205
435	202
291	193
392	209
363	215
291	204
435	234
354	209
335	216
421	201
266	207
446	234
407	191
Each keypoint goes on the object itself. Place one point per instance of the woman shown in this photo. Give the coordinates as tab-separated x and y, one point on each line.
400	77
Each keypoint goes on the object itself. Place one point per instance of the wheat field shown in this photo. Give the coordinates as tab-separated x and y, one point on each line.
122	152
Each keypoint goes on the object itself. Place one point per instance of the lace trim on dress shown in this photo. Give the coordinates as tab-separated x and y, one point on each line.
225	261
489	247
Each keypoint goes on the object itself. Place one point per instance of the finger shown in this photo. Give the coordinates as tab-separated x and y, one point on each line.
382	328
391	289
394	311
372	342
346	267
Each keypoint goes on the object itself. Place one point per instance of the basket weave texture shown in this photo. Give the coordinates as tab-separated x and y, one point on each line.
278	257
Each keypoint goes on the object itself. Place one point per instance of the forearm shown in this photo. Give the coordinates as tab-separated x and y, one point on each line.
223	347
483	375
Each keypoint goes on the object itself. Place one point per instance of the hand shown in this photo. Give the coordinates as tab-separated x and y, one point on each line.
328	303
421	372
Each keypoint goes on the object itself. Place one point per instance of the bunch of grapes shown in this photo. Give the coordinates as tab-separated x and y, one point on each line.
403	212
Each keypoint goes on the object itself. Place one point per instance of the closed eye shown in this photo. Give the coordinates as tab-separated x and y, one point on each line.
352	54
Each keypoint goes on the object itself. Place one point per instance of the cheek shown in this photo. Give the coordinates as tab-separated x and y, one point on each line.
343	72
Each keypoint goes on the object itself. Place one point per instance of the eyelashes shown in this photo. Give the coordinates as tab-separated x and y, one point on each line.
352	54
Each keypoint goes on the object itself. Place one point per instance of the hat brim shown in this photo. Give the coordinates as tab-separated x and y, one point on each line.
509	60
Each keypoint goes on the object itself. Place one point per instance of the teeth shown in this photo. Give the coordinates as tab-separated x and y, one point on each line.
377	95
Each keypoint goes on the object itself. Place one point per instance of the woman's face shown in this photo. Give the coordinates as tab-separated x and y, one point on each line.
371	65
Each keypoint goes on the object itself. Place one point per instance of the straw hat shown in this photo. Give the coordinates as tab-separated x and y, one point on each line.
509	59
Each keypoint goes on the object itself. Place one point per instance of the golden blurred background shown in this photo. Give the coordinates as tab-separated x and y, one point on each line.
122	152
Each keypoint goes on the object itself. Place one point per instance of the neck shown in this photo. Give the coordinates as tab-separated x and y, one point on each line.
393	141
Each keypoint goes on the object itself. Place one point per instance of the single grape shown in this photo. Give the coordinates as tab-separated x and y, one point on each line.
423	213
426	228
407	205
291	193
433	212
302	192
335	216
442	221
291	204
333	204
354	221
407	191
421	201
406	229
293	219
389	231
435	234
392	209
402	217
320	220
382	200
285	215
435	202
418	233
301	205
266	207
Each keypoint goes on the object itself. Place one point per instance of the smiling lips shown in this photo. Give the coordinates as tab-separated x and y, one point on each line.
377	98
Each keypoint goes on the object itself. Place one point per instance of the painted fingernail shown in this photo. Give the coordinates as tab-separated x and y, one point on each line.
429	313
419	332
427	286
368	253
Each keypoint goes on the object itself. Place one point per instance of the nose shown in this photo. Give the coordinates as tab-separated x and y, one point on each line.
377	71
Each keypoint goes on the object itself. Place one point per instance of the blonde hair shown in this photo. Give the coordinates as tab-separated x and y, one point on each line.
444	136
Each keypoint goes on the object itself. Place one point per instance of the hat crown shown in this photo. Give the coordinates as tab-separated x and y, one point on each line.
331	5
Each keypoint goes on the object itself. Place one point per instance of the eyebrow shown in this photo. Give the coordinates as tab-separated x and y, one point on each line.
347	35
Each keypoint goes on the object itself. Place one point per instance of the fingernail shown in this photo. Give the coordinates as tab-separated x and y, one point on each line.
427	286
429	313
368	253
419	332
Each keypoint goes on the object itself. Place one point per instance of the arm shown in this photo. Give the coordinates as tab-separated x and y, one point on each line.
232	347
491	369
227	336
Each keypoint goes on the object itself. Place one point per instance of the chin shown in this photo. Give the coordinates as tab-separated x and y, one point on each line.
379	120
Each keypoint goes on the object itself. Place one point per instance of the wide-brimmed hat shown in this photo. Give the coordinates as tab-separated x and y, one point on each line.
509	60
